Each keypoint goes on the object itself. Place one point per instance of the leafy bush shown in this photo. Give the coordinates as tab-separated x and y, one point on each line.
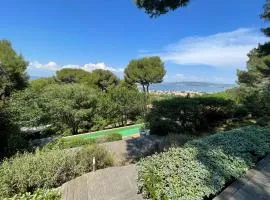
264	121
202	167
47	169
257	101
65	143
37	195
103	159
181	114
229	94
113	137
234	123
176	140
44	169
163	127
76	142
240	111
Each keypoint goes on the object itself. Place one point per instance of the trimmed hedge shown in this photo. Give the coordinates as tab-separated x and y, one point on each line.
48	168
187	115
201	168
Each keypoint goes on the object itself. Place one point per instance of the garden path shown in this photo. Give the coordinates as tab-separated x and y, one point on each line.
254	186
114	183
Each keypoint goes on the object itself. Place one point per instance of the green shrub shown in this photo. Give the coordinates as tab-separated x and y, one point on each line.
76	142
176	140
44	169
65	143
17	142
236	123
182	115
240	111
264	121
113	137
102	157
37	195
163	127
47	169
202	167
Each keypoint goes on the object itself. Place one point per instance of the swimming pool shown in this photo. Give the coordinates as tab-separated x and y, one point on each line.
126	131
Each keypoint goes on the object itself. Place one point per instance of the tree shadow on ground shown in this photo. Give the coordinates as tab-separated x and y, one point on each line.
143	146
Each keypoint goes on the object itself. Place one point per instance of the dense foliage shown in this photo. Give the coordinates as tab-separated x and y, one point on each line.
66	143
113	137
229	94
48	168
11	139
266	17
125	104
103	80
63	106
39	84
187	115
13	77
69	75
155	8
78	106
255	81
202	167
158	7
71	106
145	71
37	195
102	157
12	70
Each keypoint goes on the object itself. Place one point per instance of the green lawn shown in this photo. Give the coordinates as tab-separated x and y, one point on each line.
124	131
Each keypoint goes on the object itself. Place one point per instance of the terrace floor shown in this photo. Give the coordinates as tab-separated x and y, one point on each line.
254	186
114	183
119	183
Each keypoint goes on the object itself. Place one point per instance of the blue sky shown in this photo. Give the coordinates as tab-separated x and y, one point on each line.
206	41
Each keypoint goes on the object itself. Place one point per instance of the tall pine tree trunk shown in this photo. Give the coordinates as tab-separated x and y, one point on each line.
147	88
143	88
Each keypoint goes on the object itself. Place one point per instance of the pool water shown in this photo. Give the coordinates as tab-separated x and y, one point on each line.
124	131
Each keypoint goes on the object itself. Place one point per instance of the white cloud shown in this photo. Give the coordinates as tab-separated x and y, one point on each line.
222	50
92	66
53	67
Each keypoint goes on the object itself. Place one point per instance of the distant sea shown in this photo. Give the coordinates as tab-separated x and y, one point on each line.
185	86
191	86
